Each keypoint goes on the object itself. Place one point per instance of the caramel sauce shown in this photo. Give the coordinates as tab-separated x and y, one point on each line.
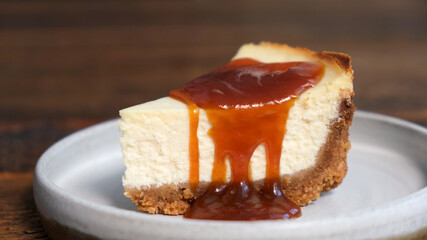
247	102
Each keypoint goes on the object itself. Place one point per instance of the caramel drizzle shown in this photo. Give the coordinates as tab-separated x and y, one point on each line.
193	114
241	121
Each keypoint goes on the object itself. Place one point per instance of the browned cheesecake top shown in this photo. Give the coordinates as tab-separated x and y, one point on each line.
247	102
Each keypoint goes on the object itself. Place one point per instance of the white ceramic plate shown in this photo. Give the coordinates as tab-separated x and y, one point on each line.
77	186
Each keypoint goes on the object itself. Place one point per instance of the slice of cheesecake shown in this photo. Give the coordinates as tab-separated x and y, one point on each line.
164	176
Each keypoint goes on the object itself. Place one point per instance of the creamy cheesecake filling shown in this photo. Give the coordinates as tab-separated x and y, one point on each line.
302	187
156	136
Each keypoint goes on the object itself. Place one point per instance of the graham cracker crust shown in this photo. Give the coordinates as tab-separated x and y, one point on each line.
302	187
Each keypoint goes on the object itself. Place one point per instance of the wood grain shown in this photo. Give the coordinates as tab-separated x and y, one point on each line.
18	216
67	65
60	60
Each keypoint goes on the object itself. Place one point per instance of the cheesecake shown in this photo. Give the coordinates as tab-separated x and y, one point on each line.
270	127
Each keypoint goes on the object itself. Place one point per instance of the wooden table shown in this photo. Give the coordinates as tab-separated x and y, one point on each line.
68	65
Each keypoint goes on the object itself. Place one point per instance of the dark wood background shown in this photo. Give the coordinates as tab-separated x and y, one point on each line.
68	65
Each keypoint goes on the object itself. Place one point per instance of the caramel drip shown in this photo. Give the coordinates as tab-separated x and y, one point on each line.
193	114
247	102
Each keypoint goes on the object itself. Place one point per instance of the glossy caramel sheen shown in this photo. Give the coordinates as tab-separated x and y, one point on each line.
247	102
